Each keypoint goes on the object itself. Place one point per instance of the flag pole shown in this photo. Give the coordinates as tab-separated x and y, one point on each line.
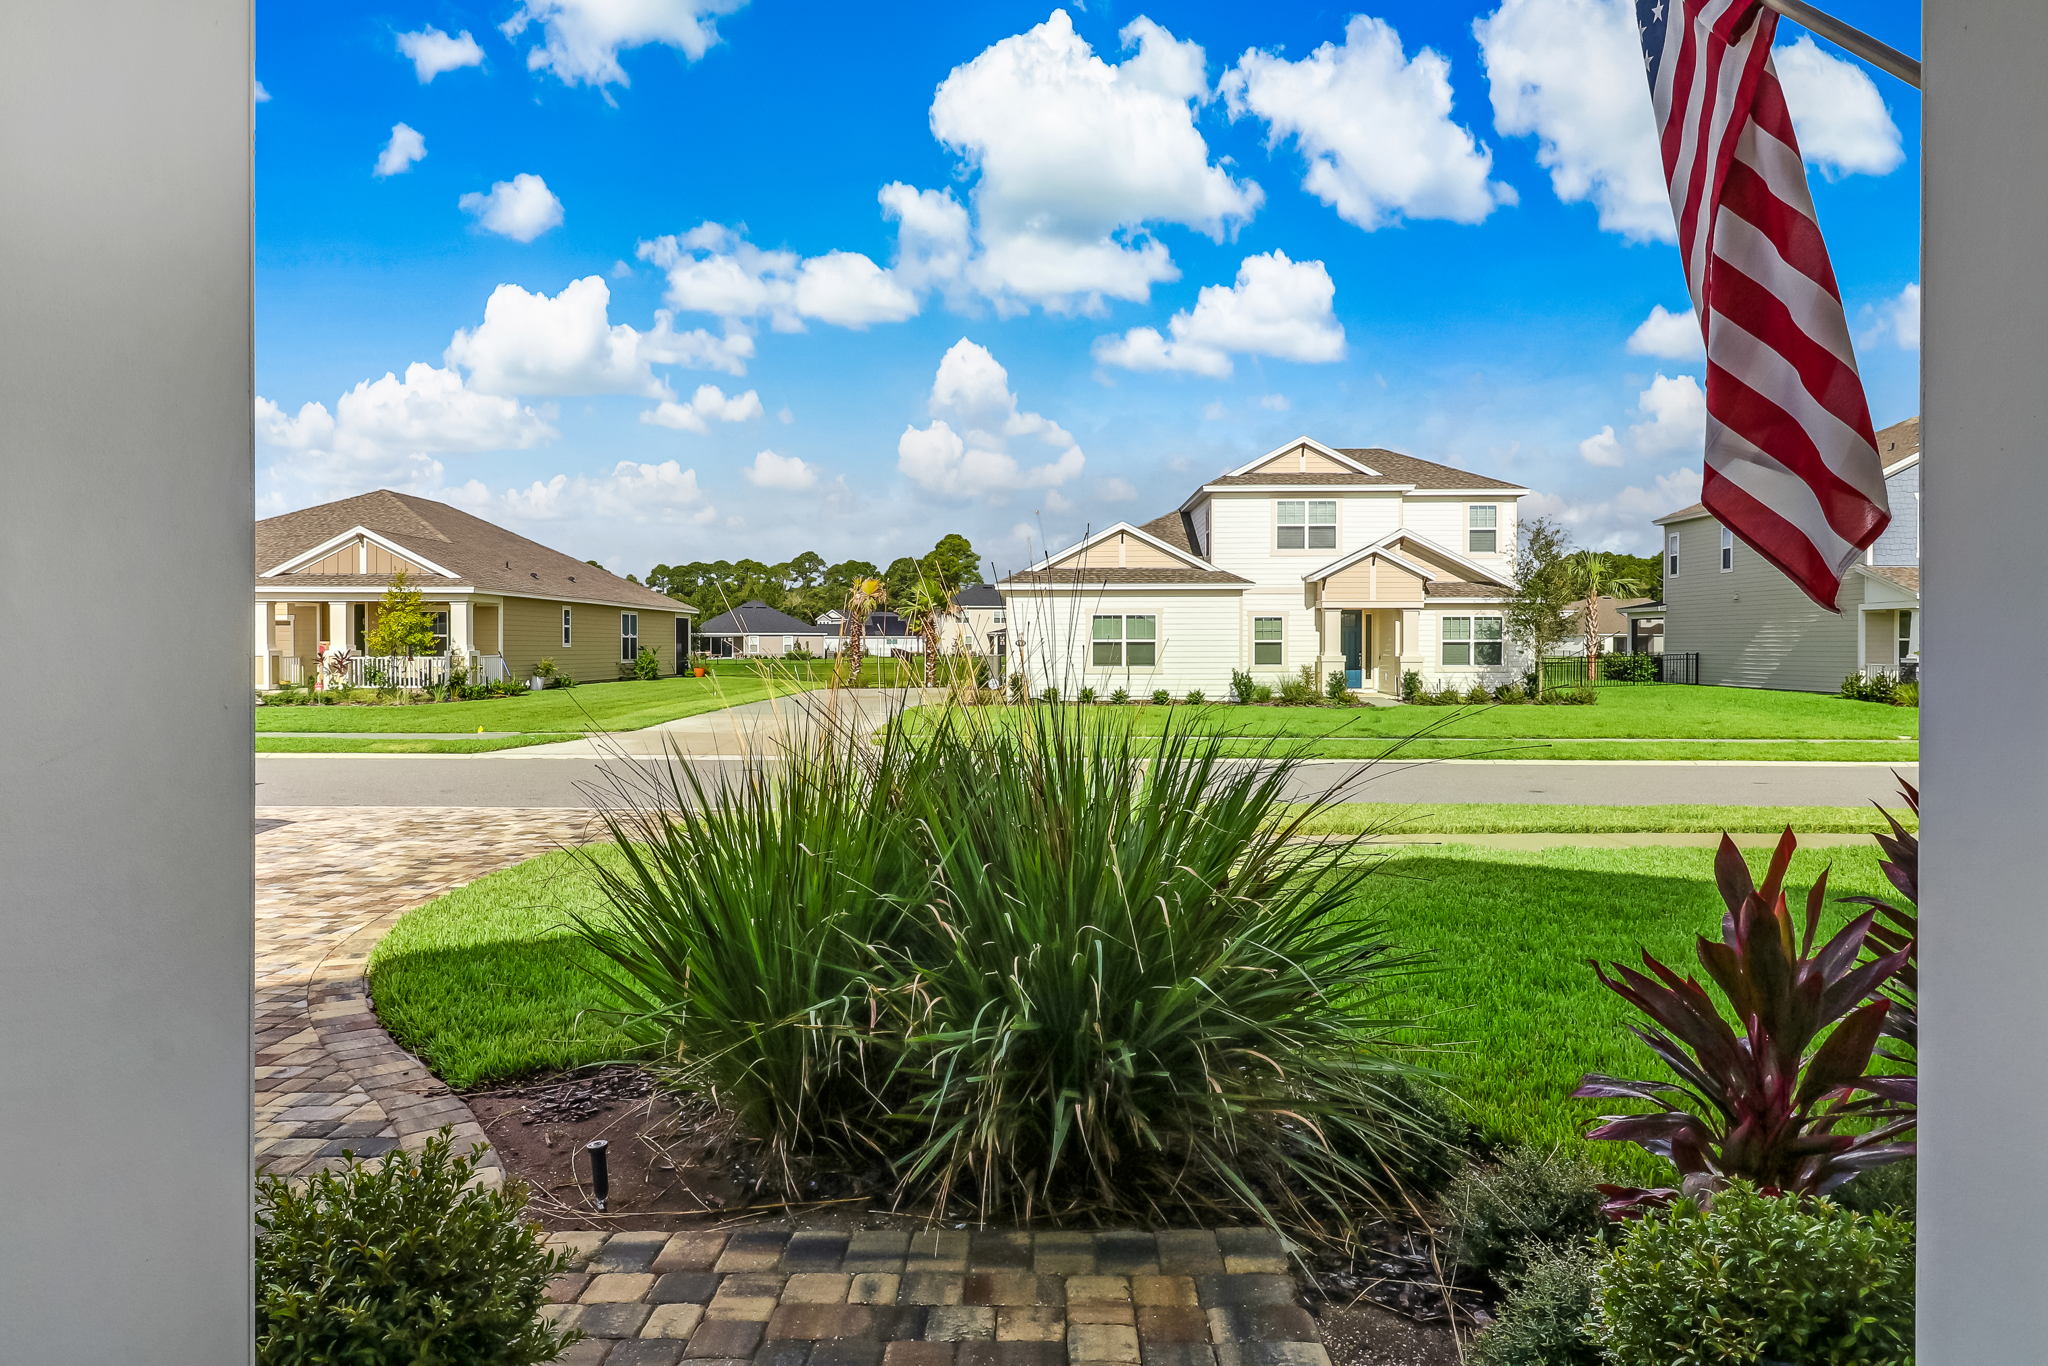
1880	55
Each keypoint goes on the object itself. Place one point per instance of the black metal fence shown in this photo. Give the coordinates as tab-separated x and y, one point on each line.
1620	670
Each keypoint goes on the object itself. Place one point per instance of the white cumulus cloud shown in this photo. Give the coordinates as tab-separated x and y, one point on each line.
713	269
1898	319
404	148
1277	307
1674	410
786	472
708	405
1842	123
432	52
631	491
966	451
1071	157
1622	519
1374	125
531	343
1671	336
521	208
580	40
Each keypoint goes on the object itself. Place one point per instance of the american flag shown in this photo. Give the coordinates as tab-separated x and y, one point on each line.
1792	467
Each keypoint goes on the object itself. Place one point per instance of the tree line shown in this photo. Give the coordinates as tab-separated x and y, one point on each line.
806	585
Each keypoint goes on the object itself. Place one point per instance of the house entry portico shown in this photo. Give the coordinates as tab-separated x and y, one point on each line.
292	636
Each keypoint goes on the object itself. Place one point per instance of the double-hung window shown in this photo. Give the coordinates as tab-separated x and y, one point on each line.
629	636
1482	529
565	628
1727	550
440	633
1268	640
1471	641
1671	555
1126	642
1909	647
1306	524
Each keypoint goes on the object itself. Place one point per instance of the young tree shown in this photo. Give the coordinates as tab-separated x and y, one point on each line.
930	602
901	576
1592	576
404	626
952	562
1539	604
863	598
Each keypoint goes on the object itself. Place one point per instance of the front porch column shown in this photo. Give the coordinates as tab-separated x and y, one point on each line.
265	677
340	620
1409	643
1324	650
461	627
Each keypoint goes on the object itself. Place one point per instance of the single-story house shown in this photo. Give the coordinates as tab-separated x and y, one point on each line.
1753	628
500	602
754	630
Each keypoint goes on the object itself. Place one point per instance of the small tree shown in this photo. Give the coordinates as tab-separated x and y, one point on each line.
861	600
1593	576
404	626
930	602
1539	604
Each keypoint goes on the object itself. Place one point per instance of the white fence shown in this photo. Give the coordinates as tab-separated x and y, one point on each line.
420	671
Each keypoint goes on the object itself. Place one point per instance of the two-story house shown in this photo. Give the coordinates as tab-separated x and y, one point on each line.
1753	628
1357	560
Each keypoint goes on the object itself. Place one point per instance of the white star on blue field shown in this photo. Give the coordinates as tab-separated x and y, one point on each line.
668	280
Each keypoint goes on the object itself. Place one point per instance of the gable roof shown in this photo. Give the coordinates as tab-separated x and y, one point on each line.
757	618
1480	573
1897	445
1389	468
477	554
979	595
1183	551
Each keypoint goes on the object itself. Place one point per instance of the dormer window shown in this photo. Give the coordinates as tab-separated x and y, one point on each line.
1306	524
1482	529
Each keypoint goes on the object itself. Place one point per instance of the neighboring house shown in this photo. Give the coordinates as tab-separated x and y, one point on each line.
883	633
979	626
1752	628
1363	561
1615	626
755	630
501	603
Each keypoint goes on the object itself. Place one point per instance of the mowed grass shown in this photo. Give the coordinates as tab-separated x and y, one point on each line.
1397	819
487	983
1566	751
560	712
345	744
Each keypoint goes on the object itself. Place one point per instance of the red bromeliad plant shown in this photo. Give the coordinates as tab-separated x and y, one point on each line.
1784	1097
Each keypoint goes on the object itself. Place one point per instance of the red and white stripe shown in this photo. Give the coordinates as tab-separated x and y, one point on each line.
1791	464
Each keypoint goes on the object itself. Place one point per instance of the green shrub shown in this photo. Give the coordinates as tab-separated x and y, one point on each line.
1891	1189
1879	687
1336	689
1533	1200
1478	695
1121	697
1300	690
1242	685
1161	698
544	669
1547	1318
1510	694
1049	966
1447	696
1195	697
401	1264
646	664
1630	668
1571	697
1019	689
1261	694
1759	1278
1906	695
1086	697
1051	694
1411	686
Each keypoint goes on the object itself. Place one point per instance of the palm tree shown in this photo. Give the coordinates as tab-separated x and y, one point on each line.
863	598
1593	576
929	602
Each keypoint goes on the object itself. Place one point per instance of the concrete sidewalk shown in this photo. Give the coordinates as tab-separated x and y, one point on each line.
751	730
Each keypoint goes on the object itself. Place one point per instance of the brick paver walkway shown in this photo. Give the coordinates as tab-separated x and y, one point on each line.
331	880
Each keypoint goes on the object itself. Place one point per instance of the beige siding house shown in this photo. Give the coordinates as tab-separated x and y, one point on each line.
1354	560
501	602
1753	628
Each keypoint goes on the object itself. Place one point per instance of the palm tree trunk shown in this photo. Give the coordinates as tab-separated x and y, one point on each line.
1591	622
856	630
931	652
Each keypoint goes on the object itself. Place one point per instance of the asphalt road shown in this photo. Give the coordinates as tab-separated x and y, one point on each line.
511	780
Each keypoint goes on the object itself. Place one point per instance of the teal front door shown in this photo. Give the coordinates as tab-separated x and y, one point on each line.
1352	634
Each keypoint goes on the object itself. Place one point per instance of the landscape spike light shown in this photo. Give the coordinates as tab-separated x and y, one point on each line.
600	1178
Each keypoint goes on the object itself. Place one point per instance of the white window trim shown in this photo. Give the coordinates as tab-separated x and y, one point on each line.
1336	525
1670	554
1258	617
1470	529
628	654
1472	640
566	633
1727	551
1124	642
1908	641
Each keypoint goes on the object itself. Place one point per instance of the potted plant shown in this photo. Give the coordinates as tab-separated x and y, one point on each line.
543	676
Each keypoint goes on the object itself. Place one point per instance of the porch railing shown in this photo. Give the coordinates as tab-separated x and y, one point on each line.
420	671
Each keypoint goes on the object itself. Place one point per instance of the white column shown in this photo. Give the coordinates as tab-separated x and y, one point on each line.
1983	1074
264	676
125	867
461	627
341	625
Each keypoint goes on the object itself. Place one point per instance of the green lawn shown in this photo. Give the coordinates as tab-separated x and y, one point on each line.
561	712
348	744
1718	751
1397	819
485	983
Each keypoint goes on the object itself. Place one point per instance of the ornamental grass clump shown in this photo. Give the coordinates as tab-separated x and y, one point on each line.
1040	965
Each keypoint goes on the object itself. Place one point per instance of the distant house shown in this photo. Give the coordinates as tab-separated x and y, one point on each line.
1619	628
980	626
1752	628
757	631
500	603
883	633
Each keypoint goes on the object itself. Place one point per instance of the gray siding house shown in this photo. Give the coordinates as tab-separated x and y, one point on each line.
1752	628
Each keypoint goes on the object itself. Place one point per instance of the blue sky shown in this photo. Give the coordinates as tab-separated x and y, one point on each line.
662	280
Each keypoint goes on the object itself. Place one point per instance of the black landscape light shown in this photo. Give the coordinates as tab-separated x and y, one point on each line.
600	1178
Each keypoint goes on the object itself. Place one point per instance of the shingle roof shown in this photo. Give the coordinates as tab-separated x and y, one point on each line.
1894	444
757	618
482	555
1174	529
1393	467
1461	588
979	595
1905	577
1125	576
